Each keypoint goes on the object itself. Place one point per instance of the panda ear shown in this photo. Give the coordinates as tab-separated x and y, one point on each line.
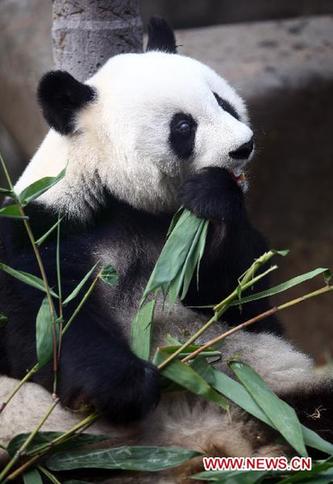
161	36
61	97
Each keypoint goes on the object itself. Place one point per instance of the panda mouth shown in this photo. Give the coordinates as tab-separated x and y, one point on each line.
239	177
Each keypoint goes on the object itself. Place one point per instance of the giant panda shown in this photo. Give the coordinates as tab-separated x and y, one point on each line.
146	134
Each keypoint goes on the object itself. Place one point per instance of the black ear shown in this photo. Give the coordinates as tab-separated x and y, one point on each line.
161	36
61	96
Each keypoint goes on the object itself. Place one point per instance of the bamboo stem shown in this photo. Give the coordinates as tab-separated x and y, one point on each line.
39	262
247	281
25	444
29	374
251	321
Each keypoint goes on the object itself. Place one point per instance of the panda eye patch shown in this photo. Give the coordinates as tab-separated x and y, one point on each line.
226	106
182	134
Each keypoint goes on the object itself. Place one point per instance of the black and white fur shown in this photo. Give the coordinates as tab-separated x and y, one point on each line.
147	133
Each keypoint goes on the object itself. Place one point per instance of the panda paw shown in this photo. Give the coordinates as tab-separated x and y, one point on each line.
124	393
214	195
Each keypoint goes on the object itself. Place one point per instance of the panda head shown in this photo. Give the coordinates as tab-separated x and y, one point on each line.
139	127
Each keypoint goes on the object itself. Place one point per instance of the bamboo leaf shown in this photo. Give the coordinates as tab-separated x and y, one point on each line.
43	438
209	353
172	273
188	378
323	471
135	458
282	416
27	278
109	275
44	333
173	254
235	392
282	287
6	191
12	211
32	476
230	477
39	187
78	288
201	248
141	330
51	477
42	239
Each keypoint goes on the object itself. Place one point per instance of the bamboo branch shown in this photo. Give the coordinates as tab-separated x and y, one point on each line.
251	321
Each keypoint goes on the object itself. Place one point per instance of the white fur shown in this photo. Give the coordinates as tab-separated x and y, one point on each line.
123	135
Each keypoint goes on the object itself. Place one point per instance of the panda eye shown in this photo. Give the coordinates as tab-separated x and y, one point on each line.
182	134
183	127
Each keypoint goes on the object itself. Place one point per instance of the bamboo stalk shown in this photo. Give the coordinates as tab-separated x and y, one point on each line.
255	319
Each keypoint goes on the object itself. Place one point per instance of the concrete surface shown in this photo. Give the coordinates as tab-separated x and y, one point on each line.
285	71
198	13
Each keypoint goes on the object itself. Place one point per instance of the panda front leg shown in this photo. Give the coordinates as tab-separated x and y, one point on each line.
98	368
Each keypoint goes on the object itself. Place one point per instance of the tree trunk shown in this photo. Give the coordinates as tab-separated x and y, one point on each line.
86	33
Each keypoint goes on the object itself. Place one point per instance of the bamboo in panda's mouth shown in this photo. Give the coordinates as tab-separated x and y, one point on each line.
238	176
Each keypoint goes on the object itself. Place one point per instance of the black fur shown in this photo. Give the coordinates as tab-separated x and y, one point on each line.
182	135
226	106
61	97
213	194
161	36
97	365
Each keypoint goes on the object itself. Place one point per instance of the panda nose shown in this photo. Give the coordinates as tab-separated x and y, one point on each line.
243	152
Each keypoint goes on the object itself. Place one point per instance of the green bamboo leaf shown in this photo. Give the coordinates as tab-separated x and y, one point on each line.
109	275
230	477
173	254
188	378
39	187
192	261
42	239
27	278
44	333
323	471
201	247
43	438
235	392
51	477
135	458
6	191
282	287
282	416
78	288
312	439
141	330
209	353
172	273
32	476
174	220
12	211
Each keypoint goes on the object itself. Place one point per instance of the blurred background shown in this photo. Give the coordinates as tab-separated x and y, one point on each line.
279	55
